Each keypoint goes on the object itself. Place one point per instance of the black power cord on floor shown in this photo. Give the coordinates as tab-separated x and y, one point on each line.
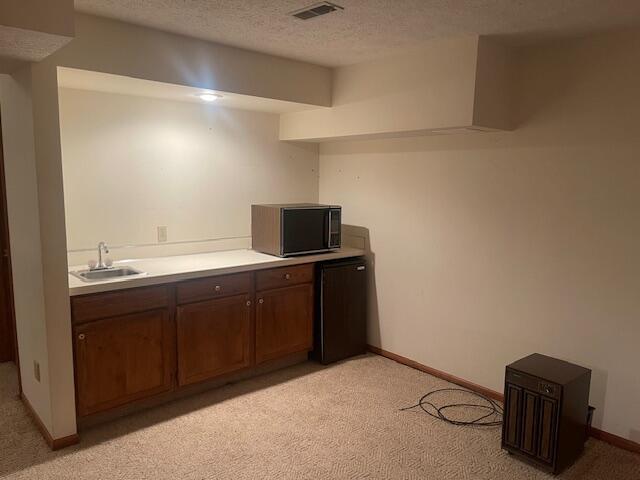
490	412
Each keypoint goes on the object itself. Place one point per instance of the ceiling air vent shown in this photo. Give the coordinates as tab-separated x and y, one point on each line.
316	10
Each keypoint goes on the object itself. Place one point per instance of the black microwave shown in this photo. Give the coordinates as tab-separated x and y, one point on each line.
295	229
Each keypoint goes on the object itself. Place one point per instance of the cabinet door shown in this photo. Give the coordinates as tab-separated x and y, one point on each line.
284	321
121	359
529	421
511	422
548	412
214	338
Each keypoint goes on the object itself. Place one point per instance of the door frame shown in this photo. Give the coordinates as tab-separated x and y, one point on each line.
5	256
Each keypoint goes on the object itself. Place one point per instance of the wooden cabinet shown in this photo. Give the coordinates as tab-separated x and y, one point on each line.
121	359
214	338
529	423
136	343
546	409
284	321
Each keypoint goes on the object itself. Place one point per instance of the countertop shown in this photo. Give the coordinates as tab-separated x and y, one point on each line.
183	267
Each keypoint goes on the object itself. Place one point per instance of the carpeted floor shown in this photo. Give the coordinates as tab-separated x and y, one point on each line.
304	422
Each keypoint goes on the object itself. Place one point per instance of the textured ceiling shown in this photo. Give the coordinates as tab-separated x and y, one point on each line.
18	46
367	29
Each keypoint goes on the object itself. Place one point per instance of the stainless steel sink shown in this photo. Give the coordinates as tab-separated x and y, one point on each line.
106	273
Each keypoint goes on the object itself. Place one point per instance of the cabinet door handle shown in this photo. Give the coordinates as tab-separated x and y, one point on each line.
261	301
217	288
248	303
287	276
81	336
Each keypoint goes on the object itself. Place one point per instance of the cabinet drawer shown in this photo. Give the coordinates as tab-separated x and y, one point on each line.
214	287
111	304
285	276
533	383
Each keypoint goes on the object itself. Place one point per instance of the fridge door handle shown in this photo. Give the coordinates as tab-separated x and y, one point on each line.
328	245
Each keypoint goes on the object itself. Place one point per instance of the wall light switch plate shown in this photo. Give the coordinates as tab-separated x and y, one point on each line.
162	234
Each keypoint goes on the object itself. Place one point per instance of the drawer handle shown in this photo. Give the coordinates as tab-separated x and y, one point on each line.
81	336
287	276
261	301
217	288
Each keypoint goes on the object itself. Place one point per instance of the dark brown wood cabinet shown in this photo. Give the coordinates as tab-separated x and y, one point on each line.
546	408
122	359
284	316
214	338
141	342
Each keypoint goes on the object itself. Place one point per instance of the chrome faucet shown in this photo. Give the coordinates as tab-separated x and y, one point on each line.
101	247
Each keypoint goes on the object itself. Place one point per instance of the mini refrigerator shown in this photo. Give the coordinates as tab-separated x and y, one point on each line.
340	326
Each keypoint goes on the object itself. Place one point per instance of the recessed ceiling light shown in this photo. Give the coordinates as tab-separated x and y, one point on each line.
209	97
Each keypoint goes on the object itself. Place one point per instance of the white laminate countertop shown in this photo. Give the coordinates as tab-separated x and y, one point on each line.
182	267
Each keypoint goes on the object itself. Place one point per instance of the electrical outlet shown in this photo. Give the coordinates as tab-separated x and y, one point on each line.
36	370
162	234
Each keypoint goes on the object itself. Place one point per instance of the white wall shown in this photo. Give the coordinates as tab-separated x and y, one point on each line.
131	164
489	247
24	233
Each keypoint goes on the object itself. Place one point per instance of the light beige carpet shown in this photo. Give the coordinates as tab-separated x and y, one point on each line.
304	422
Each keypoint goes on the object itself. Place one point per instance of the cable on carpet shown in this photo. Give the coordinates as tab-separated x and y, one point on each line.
490	414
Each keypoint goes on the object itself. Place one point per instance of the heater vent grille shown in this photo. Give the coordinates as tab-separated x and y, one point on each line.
316	10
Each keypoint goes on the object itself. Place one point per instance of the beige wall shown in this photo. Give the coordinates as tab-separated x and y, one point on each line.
448	84
53	248
490	247
427	89
109	46
24	232
131	164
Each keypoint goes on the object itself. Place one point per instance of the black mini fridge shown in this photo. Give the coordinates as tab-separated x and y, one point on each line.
340	326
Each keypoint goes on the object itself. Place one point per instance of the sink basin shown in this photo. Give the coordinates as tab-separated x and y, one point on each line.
105	274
